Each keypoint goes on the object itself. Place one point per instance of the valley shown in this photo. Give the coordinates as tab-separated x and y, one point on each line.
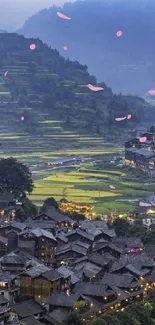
62	120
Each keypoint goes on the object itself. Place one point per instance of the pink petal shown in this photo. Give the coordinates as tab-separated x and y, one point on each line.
119	33
65	48
129	116
152	92
112	187
62	16
5	73
32	47
143	139
94	88
22	118
120	118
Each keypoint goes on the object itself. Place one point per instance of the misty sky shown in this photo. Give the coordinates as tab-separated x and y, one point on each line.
13	13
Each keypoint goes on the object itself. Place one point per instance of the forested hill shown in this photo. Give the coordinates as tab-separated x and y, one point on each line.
126	63
43	80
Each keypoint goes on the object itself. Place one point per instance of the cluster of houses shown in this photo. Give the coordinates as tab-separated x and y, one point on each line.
51	265
141	154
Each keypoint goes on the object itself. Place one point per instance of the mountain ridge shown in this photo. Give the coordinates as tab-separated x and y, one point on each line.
43	81
127	63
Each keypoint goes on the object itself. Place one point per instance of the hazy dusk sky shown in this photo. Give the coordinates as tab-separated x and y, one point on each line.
13	13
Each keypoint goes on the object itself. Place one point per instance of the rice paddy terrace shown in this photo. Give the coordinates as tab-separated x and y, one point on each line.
43	137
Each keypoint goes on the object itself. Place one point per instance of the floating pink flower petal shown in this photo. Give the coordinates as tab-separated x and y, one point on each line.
153	204
22	118
5	73
119	33
94	88
65	48
112	187
60	15
32	47
129	116
120	118
67	292
143	139
152	92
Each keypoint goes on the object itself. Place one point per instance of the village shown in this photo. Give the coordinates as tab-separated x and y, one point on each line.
68	259
52	265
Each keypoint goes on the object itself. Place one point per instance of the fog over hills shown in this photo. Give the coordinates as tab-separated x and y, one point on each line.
126	63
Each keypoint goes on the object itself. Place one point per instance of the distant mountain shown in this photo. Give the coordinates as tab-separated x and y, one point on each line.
126	63
41	82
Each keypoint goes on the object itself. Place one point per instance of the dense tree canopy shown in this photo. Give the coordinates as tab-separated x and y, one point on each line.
15	177
141	313
136	229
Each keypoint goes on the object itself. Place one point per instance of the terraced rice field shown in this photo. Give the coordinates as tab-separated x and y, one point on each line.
91	187
53	142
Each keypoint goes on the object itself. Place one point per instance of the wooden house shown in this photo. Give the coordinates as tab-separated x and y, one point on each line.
40	282
52	214
69	253
39	243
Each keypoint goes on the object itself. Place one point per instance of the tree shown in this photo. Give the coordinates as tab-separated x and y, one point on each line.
29	208
15	177
152	129
121	226
98	321
72	319
49	202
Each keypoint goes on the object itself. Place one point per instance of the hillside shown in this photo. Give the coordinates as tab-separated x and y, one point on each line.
64	119
126	63
42	81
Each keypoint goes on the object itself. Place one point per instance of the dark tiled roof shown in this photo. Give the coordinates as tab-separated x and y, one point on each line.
27	321
3	240
123	242
134	270
28	308
44	224
52	275
92	289
61	299
120	280
71	247
6	197
3	300
151	278
81	233
89	269
112	246
137	260
99	259
36	270
18	225
12	258
38	232
6	276
142	152
66	273
86	224
61	236
83	244
55	215
57	317
150	250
